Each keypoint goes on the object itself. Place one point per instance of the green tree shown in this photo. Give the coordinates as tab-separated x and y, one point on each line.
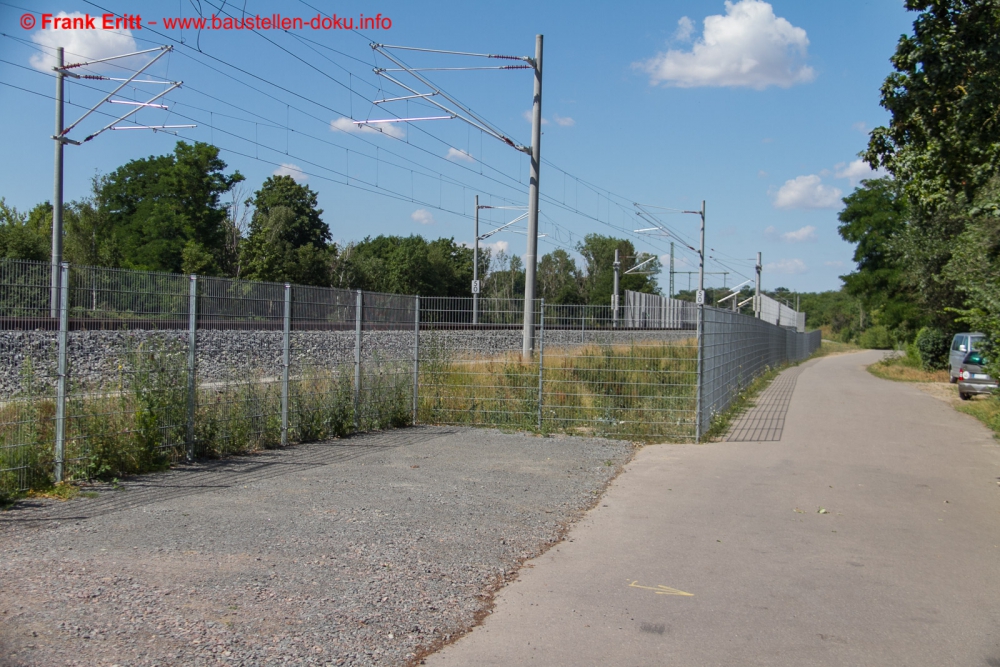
837	310
166	209
975	269
944	135
599	254
90	234
559	280
874	218
506	277
406	265
26	235
288	240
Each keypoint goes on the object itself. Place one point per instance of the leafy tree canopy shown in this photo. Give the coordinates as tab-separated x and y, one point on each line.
287	240
944	97
26	235
558	279
407	265
875	215
599	254
164	209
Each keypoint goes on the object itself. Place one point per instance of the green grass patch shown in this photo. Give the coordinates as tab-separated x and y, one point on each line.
986	410
906	367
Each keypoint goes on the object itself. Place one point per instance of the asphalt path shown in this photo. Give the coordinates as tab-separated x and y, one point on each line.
867	534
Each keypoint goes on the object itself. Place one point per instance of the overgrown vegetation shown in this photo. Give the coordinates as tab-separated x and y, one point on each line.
907	367
140	424
642	390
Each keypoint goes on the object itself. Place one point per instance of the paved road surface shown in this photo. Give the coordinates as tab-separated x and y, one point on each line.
903	568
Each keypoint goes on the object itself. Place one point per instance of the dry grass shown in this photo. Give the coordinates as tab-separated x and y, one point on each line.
901	373
642	390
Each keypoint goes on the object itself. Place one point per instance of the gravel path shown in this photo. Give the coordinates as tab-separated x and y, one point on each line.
366	551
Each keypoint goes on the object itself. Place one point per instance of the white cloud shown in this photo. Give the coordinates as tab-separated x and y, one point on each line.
563	121
807	192
749	46
761	174
293	170
789	266
807	233
528	117
861	126
82	45
835	264
856	171
497	246
459	155
348	125
685	28
423	216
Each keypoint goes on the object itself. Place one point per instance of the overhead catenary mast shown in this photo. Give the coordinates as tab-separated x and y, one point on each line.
61	137
455	110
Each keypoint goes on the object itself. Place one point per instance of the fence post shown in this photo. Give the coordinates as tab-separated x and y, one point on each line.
62	370
286	345
701	371
541	359
416	354
192	357
358	312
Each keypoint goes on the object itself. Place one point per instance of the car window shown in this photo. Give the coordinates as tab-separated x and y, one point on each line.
974	358
974	342
957	343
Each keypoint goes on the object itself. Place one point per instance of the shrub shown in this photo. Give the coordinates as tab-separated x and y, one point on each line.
877	337
933	347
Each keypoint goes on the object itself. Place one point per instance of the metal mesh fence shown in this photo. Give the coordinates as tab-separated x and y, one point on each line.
736	349
474	374
128	371
612	380
126	376
28	379
238	346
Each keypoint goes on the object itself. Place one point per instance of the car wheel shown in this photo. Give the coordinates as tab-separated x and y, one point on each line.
962	395
952	379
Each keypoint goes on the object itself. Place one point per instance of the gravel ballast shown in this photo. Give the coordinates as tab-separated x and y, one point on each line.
102	357
370	550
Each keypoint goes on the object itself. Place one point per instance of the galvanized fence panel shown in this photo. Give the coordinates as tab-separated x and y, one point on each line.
322	344
134	369
474	374
738	348
616	381
240	351
387	349
28	372
127	376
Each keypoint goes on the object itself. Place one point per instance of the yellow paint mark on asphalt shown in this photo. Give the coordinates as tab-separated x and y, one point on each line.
661	589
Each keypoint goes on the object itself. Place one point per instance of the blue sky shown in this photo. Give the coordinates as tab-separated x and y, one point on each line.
758	108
